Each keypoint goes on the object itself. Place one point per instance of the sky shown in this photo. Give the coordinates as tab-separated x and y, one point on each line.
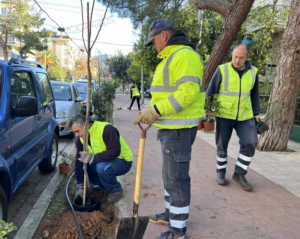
67	14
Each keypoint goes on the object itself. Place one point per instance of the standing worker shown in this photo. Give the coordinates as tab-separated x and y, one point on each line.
237	84
108	156
177	107
134	94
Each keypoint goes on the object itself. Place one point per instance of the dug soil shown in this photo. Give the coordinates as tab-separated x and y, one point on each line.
59	222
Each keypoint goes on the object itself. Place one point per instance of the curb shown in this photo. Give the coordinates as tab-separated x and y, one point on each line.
34	218
121	205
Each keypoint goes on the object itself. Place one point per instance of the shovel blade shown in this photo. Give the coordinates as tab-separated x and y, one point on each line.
132	228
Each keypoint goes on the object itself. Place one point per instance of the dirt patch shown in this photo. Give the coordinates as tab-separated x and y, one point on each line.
59	222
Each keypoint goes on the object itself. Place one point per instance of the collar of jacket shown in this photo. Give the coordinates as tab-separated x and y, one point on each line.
169	49
247	66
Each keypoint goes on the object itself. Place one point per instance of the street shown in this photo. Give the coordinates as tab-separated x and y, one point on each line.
29	192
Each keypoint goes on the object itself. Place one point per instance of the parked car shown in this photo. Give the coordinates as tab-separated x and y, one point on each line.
28	129
68	103
82	88
93	83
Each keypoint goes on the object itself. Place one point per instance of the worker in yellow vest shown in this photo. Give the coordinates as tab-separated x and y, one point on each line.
237	84
177	107
134	95
108	156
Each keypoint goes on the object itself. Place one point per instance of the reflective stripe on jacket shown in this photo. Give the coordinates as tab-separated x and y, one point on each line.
98	145
178	89
235	93
135	91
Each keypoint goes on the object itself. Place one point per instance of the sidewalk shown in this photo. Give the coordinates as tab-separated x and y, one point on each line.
270	211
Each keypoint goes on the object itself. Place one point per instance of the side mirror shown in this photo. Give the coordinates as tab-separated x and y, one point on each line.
26	106
79	99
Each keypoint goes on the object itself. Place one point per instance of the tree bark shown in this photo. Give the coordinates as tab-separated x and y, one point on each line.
235	16
286	85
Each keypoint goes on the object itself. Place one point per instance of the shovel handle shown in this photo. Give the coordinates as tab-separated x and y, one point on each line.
139	171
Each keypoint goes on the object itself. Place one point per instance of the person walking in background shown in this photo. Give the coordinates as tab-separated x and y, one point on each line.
237	84
177	107
134	95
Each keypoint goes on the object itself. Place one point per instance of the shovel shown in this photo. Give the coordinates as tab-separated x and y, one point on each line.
135	227
123	105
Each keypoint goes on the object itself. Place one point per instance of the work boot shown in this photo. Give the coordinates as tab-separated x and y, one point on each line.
79	191
241	180
159	219
220	179
128	108
114	197
99	188
170	235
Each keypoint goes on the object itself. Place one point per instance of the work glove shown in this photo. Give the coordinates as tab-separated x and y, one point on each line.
257	118
86	157
147	116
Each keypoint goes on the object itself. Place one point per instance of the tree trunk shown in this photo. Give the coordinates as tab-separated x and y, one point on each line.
235	16
286	85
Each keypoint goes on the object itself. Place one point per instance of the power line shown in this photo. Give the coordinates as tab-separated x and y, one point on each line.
104	42
46	13
68	6
64	10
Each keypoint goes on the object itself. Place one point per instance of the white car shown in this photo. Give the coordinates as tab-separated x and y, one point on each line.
68	103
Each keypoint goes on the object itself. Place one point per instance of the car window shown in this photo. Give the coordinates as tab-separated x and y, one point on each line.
82	88
21	85
62	92
45	87
76	94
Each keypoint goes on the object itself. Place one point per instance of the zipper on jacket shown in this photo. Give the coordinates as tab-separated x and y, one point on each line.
237	117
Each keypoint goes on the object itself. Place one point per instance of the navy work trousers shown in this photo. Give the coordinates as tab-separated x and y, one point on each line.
137	98
103	173
176	150
247	134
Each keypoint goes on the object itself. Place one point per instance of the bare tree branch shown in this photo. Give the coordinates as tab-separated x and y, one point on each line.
218	6
83	27
101	24
91	19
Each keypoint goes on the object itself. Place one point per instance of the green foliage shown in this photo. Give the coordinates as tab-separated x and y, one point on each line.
119	64
212	108
54	73
6	228
30	41
103	100
19	16
64	156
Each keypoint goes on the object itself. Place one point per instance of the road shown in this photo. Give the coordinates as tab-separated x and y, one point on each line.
29	192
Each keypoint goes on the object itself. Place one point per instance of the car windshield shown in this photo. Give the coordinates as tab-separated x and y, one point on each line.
81	87
62	92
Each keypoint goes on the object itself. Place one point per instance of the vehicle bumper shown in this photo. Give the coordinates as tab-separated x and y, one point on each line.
63	129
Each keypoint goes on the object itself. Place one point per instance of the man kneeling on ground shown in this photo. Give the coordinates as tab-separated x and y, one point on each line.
108	156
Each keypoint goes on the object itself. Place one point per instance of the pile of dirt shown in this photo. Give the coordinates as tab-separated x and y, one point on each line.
101	223
94	225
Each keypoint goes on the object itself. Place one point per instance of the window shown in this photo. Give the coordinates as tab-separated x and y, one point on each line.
45	88
3	11
76	94
65	52
62	92
65	61
21	85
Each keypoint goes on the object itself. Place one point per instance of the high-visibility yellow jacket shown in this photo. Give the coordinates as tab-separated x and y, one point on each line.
178	89
135	91
98	145
235	93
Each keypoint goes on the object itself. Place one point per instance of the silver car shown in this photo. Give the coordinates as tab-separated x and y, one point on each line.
67	102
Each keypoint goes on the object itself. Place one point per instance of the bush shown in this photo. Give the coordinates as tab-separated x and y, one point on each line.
212	107
103	101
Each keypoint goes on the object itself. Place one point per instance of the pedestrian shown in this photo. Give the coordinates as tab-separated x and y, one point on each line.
108	156
177	107
237	84
134	95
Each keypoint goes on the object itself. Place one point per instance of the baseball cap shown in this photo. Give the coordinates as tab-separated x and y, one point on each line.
156	28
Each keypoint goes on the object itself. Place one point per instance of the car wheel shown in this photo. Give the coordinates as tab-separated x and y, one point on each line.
3	205
47	165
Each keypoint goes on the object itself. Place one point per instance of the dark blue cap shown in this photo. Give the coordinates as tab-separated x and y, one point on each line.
156	28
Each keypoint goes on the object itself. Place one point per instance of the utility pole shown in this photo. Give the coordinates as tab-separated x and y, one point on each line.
200	23
61	62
